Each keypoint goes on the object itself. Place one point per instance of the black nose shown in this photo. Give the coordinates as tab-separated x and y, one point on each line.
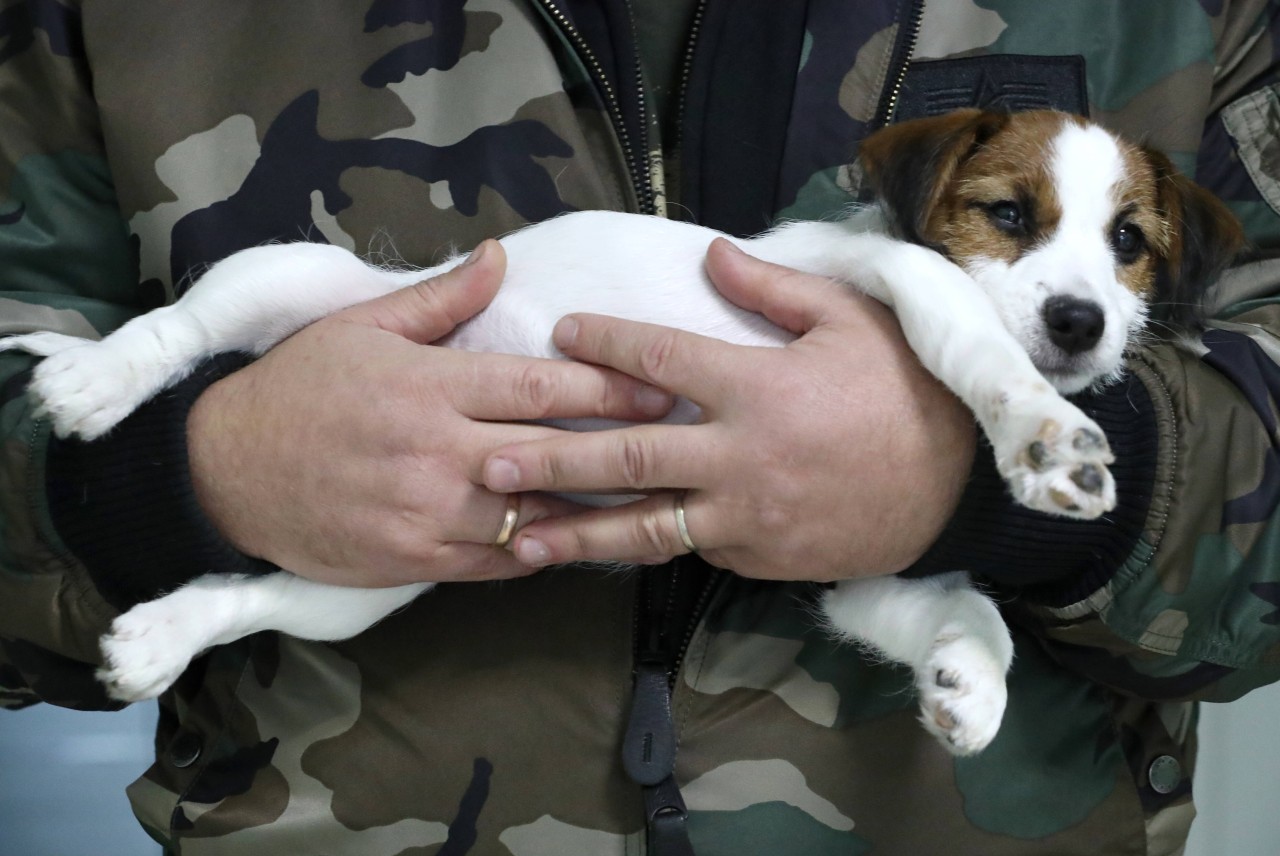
1074	325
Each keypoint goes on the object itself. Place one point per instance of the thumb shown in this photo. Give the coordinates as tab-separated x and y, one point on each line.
427	310
793	300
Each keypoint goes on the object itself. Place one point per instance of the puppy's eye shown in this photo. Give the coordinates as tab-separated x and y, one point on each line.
1128	241
1006	215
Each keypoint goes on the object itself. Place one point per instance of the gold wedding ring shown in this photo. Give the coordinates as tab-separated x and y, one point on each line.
509	521
682	526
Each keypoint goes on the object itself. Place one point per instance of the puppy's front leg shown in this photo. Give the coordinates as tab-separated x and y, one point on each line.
1052	456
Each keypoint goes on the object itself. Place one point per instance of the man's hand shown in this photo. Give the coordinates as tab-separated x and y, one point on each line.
351	453
836	456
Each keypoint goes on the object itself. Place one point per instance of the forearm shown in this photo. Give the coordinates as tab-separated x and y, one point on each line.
1189	610
1046	558
125	504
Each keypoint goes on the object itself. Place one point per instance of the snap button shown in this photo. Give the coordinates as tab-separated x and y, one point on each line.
185	749
1165	774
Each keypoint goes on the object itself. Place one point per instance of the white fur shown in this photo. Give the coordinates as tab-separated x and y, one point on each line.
974	330
1074	262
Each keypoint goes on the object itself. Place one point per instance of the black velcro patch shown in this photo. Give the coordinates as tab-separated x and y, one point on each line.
1005	82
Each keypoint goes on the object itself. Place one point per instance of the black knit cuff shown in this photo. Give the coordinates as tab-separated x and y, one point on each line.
1056	560
125	506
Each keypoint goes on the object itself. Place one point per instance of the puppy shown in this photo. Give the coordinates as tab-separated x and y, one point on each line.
1020	254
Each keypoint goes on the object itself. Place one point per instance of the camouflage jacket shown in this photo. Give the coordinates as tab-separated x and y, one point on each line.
141	141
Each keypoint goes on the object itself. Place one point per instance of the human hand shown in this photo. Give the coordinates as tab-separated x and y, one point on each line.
351	452
834	457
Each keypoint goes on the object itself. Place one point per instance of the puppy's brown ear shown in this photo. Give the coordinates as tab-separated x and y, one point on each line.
1205	237
910	165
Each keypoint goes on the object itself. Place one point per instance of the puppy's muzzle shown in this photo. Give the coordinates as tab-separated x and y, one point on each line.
1074	325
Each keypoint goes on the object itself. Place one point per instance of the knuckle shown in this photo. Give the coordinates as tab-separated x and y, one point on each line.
536	392
658	355
550	471
650	534
426	295
636	461
581	545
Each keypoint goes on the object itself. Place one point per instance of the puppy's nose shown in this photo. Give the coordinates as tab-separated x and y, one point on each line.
1074	325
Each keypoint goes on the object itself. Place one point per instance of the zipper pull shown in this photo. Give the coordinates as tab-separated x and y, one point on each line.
649	747
667	820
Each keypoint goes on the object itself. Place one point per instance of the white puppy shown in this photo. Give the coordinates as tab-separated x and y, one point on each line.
1019	253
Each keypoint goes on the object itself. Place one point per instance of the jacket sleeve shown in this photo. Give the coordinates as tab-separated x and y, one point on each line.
67	264
1176	594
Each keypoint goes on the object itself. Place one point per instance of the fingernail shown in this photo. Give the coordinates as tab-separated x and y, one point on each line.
650	399
531	551
731	247
501	474
565	332
476	254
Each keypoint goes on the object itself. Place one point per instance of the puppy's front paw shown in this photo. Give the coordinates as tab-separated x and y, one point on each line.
1054	459
87	390
145	651
962	693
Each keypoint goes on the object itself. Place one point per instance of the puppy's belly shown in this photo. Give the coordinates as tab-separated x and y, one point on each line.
624	265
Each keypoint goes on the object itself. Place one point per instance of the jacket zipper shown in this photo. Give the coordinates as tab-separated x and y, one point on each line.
899	63
686	71
637	164
648	185
650	742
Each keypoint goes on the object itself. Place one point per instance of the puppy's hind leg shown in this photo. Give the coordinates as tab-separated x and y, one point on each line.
248	302
952	637
151	645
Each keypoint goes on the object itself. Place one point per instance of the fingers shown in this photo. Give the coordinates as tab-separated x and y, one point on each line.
519	388
644	531
477	563
484	515
640	458
428	310
684	363
793	300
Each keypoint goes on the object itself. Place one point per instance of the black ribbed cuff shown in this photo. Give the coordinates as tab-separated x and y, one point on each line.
1056	560
125	506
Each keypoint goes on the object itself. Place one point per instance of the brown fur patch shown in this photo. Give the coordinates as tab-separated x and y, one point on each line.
941	176
1136	197
1012	166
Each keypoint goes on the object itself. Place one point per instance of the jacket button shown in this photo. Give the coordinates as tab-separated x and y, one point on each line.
185	749
1165	774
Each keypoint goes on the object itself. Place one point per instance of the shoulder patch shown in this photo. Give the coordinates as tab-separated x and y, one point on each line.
1008	82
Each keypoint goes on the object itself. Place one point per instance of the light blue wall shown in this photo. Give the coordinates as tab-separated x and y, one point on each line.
1237	783
62	780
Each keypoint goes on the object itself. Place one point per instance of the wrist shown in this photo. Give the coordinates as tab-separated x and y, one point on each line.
124	504
215	464
954	447
1056	560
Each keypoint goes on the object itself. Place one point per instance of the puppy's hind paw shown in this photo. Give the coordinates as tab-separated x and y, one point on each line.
144	655
87	390
962	695
41	344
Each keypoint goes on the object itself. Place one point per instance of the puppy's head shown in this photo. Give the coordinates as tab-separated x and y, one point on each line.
1074	233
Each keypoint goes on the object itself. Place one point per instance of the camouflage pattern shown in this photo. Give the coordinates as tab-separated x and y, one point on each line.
140	142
